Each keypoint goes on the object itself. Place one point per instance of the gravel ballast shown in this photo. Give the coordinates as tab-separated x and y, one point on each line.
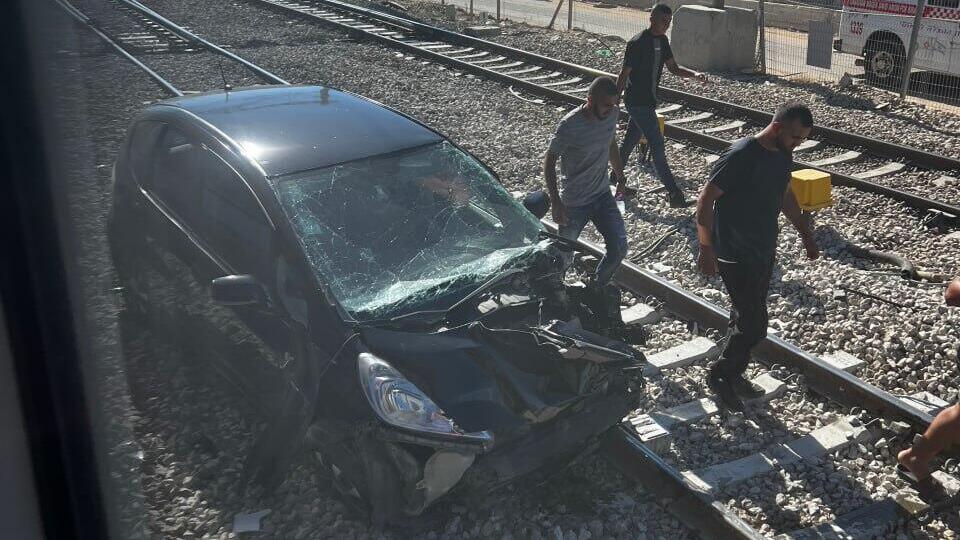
853	108
194	434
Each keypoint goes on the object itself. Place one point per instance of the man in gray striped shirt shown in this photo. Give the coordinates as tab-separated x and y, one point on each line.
585	142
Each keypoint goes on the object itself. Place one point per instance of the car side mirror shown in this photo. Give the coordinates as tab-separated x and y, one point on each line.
537	203
238	290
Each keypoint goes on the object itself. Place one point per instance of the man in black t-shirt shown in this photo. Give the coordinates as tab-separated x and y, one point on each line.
643	61
737	225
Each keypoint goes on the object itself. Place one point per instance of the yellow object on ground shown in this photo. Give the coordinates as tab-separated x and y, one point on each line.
660	120
812	189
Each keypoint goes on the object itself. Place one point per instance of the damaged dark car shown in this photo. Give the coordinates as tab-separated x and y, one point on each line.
372	288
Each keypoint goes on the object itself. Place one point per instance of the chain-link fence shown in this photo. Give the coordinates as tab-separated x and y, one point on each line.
816	41
840	45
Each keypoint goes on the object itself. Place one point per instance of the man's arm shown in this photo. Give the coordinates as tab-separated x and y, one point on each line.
683	72
707	260
617	166
791	209
623	78
550	175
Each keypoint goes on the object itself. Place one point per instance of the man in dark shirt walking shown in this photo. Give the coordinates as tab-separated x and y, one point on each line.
646	54
737	215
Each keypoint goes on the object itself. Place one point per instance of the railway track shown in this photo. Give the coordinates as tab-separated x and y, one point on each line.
852	159
855	414
135	31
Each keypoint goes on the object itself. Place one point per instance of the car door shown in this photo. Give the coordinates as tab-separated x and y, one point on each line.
202	226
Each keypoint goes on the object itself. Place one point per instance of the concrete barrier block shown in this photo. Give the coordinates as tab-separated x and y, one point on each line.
711	39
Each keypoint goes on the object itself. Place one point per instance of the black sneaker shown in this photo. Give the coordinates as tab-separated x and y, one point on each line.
676	200
725	394
744	388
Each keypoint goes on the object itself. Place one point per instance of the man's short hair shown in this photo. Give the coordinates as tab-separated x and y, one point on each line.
603	86
793	110
661	9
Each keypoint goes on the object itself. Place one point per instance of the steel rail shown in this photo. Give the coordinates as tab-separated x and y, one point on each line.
822	377
711	518
80	17
193	38
693	506
916	156
684	500
703	140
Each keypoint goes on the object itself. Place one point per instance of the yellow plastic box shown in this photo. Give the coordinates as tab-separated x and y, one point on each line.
812	189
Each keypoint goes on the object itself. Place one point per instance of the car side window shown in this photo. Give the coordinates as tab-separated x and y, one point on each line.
140	154
212	200
174	179
233	223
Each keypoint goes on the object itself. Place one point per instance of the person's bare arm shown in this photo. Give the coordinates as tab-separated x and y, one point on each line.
617	166
550	175
623	78
792	210
707	259
683	72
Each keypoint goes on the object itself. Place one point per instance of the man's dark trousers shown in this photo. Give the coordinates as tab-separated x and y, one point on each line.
747	284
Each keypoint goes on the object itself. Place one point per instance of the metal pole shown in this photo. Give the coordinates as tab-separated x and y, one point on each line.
471	7
912	51
555	13
763	40
498	10
569	14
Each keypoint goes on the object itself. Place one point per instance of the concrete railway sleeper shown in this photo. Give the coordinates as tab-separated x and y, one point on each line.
635	447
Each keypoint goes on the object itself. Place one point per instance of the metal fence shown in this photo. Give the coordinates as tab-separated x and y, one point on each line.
800	40
841	46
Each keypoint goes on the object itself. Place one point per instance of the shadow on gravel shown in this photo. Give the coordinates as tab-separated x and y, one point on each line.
196	429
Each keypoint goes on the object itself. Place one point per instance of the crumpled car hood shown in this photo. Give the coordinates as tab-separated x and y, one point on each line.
495	379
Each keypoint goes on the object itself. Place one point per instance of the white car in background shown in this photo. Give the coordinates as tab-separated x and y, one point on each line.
879	30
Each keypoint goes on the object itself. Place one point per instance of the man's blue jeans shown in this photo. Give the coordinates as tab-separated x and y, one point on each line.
643	123
605	215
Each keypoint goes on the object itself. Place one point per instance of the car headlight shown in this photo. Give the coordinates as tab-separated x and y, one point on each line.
400	403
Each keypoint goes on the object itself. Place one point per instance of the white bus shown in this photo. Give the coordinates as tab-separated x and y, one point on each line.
879	31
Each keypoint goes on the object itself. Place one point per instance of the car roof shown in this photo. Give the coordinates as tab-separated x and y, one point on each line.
289	129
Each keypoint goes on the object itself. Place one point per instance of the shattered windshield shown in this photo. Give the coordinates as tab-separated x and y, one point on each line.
395	233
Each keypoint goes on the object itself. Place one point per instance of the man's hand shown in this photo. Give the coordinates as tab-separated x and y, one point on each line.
707	260
810	245
621	180
621	190
558	210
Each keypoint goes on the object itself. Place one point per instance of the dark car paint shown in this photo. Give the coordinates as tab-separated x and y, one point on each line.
311	127
310	364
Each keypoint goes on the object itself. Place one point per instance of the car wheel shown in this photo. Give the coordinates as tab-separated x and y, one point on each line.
885	59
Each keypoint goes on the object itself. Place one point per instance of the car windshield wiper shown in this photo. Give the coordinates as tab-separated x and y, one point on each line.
566	244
